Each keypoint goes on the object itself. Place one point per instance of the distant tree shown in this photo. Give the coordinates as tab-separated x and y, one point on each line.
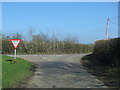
17	36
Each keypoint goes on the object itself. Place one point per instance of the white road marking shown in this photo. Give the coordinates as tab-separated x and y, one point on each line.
39	72
46	58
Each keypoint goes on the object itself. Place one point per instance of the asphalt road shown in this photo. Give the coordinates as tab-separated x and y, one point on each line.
60	71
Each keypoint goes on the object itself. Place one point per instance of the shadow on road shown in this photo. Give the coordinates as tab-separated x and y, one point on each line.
65	74
100	71
57	67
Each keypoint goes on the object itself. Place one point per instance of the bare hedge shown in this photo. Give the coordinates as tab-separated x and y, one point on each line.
40	45
107	52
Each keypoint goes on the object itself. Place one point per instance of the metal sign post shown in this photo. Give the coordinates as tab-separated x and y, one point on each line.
15	43
15	54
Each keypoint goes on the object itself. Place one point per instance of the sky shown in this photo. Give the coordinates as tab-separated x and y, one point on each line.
0	17
84	20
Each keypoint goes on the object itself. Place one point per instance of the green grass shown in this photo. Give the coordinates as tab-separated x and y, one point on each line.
0	72
15	74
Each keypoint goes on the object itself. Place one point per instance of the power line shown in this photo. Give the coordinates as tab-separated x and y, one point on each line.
111	20
114	23
114	18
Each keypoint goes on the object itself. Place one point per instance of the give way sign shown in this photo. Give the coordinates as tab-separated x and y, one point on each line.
15	42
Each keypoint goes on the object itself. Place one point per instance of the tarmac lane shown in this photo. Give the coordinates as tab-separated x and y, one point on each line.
60	71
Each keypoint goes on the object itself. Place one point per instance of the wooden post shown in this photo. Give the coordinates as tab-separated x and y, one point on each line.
107	28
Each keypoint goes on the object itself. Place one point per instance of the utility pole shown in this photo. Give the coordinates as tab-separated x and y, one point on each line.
107	28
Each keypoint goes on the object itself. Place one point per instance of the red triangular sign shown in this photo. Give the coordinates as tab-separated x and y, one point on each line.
15	42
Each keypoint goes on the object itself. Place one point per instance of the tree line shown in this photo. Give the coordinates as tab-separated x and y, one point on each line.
41	43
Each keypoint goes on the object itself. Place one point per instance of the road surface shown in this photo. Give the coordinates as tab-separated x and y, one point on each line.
60	71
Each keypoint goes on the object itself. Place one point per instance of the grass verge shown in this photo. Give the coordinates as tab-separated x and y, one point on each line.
14	74
110	76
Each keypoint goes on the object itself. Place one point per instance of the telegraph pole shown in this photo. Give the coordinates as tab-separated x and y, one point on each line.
107	28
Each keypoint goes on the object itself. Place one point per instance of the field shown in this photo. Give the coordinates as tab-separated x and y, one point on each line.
15	73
